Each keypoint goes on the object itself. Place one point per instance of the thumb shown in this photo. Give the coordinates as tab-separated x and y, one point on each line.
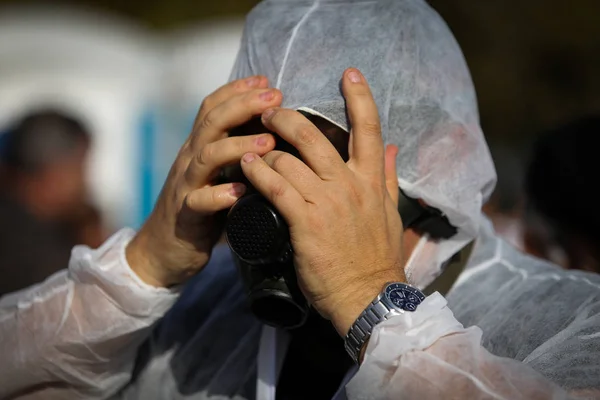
391	178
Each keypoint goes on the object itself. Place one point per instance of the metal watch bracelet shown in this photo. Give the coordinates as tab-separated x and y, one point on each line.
376	312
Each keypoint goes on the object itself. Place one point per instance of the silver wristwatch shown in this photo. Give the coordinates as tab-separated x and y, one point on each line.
395	299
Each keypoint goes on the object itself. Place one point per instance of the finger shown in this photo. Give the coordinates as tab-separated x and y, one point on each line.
229	90
391	177
211	199
233	112
206	162
314	147
274	187
292	169
366	142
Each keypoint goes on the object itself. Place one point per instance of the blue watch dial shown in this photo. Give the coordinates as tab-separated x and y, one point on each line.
403	296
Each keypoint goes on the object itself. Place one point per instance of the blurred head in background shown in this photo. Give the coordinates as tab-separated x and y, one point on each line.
505	206
562	216
43	163
43	209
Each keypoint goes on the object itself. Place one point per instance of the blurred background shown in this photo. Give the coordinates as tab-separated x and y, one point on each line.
113	86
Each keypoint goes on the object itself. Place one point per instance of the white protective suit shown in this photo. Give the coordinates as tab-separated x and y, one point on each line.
537	332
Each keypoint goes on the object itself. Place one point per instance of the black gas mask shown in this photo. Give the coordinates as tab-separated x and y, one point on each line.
259	237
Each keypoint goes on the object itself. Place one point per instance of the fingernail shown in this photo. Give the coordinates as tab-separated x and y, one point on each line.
354	76
262	140
268	114
237	189
266	96
253	81
249	157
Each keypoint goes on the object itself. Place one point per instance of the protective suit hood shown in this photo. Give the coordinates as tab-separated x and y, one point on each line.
419	79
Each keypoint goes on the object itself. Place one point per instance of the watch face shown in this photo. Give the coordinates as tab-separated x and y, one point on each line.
403	296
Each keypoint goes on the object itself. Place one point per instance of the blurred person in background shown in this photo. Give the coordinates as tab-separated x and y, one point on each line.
43	210
504	208
561	217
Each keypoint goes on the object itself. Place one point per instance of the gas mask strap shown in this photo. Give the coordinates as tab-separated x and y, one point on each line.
424	219
455	266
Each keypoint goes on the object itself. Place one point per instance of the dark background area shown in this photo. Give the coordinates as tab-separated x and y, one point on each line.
534	62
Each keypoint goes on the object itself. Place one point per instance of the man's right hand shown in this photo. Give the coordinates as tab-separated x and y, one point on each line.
177	239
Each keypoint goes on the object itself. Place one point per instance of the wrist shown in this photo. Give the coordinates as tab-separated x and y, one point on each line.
143	263
356	298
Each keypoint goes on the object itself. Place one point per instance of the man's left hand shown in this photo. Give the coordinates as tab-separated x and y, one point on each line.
344	225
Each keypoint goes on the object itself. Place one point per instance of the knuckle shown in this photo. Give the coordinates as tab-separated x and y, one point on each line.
238	85
184	149
243	144
370	127
362	91
278	190
178	169
306	135
204	156
248	99
205	107
277	161
208	120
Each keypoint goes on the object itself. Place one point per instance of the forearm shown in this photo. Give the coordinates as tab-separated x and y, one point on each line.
76	335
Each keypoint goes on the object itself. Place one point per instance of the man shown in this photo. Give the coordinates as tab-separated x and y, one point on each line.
42	180
345	230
